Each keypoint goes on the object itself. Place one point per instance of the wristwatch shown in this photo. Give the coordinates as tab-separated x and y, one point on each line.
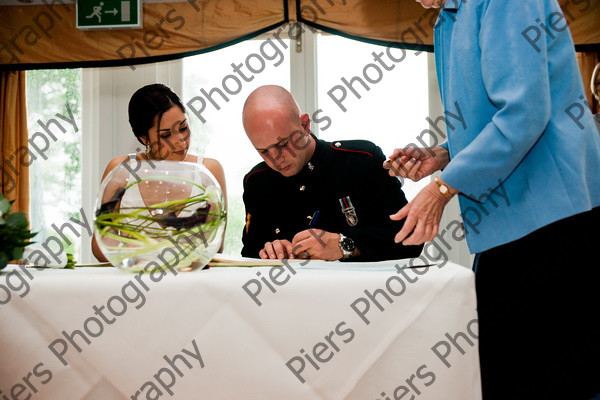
347	246
443	188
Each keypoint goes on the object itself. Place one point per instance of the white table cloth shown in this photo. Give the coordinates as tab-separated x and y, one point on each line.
422	344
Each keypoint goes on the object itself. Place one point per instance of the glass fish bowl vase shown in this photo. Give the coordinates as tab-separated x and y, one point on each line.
159	215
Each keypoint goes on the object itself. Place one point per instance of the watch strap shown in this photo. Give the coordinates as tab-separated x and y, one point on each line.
443	188
345	253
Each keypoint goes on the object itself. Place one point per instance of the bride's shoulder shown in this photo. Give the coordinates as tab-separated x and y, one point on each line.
212	164
112	164
216	169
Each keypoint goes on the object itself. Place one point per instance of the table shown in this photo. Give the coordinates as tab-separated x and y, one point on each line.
376	331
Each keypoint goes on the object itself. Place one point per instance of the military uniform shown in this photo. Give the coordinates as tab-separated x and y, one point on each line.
346	183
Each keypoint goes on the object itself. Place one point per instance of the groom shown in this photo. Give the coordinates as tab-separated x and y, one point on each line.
314	199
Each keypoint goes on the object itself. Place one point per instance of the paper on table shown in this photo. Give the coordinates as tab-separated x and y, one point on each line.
98	264
223	260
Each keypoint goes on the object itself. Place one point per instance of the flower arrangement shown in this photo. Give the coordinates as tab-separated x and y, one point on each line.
167	233
14	234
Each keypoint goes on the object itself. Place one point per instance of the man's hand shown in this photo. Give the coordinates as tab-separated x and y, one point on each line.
417	163
423	216
317	244
277	249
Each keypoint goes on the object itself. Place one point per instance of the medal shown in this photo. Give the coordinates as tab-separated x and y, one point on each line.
349	211
248	216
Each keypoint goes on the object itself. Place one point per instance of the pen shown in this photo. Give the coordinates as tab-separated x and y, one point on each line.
313	220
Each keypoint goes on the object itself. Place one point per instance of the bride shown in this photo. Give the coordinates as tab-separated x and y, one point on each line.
158	121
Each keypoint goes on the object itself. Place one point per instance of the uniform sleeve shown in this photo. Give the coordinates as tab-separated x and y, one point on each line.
516	80
253	239
381	197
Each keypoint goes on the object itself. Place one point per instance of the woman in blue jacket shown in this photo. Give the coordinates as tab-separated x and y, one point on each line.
527	160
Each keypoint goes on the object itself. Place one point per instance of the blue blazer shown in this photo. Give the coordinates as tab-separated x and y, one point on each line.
526	151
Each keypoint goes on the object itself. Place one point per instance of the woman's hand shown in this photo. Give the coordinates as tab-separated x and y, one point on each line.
417	163
423	216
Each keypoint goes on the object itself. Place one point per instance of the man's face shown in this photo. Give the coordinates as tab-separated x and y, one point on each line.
283	141
431	3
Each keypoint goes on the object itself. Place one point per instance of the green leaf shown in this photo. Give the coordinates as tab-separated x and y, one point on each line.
4	206
17	253
17	220
70	261
3	260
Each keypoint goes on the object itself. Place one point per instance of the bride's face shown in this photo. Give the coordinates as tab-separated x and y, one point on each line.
171	140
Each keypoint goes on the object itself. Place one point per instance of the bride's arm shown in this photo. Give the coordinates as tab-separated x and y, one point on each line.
107	195
217	170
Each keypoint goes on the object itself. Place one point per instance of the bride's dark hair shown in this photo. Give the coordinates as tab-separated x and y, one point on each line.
147	103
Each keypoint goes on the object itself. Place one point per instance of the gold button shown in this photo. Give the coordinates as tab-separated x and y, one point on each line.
277	231
302	188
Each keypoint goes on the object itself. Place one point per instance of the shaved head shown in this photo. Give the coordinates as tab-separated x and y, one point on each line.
277	129
270	98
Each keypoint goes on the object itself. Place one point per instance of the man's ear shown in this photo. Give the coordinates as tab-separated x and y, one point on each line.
305	122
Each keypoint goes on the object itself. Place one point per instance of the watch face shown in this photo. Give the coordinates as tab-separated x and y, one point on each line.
347	244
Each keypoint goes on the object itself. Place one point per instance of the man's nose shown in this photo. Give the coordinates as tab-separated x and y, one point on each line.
275	156
275	153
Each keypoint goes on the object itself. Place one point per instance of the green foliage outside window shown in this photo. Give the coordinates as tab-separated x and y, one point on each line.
55	182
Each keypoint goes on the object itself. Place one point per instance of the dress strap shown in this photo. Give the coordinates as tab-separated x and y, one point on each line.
132	157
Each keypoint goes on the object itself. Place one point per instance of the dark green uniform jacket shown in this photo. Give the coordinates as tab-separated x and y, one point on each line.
341	176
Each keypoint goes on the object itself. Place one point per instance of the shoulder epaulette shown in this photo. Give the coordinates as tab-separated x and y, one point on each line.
354	146
261	167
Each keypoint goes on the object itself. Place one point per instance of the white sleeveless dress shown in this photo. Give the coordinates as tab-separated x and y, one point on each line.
133	197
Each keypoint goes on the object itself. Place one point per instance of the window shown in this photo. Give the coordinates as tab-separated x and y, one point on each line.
54	123
383	101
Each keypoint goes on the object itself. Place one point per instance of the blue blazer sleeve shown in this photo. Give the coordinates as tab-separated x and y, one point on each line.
515	76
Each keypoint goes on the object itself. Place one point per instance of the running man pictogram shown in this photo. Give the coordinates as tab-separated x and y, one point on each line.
97	12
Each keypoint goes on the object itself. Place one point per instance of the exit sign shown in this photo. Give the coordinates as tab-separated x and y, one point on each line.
109	14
